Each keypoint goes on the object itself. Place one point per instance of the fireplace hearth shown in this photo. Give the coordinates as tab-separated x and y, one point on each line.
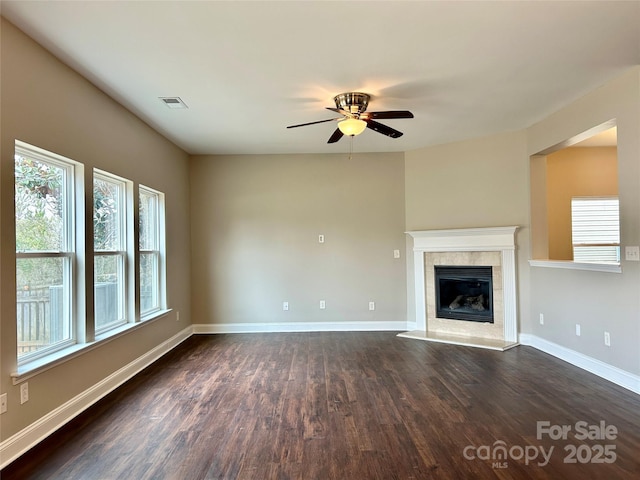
464	293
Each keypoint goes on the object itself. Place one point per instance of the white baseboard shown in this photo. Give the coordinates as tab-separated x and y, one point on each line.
19	443
412	326
592	365
212	328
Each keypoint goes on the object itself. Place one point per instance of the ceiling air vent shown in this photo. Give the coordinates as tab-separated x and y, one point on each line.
173	102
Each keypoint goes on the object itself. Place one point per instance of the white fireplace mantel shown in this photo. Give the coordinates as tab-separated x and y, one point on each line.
501	239
464	239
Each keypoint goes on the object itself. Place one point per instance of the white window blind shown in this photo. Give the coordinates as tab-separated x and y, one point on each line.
595	229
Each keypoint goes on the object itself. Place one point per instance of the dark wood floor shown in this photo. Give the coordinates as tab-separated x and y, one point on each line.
342	406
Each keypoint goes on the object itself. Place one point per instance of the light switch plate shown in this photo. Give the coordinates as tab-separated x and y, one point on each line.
632	253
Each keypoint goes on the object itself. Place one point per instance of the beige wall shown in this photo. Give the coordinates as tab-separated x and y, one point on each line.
598	301
538	207
255	227
477	183
575	172
48	105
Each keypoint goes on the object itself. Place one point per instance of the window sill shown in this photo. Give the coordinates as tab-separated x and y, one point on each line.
36	367
569	265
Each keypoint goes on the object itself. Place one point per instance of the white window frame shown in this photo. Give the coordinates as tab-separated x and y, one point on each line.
79	255
595	229
122	252
157	251
68	251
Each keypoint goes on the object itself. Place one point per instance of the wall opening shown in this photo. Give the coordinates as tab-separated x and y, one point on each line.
583	167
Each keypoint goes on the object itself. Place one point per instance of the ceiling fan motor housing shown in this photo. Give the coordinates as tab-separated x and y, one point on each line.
352	102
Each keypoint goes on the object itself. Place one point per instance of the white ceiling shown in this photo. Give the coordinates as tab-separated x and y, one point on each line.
248	69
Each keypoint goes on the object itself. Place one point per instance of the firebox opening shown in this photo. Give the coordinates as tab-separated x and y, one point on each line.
464	293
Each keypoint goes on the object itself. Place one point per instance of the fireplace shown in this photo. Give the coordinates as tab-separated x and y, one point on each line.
490	252
464	293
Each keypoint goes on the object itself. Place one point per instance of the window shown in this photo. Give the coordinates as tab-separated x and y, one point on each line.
53	269
595	229
45	251
152	296
110	256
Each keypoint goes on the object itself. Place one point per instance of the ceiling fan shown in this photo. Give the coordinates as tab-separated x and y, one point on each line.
354	120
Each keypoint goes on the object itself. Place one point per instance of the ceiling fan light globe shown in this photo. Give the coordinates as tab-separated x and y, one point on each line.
352	126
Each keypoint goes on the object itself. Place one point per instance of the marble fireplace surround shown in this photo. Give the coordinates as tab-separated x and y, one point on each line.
493	246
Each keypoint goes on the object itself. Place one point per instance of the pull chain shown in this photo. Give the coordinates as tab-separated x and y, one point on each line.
351	146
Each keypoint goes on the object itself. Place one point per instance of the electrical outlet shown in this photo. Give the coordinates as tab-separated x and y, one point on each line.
177	315
578	329
396	254
320	238
3	403
372	305
323	305
607	339
541	319
285	306
24	393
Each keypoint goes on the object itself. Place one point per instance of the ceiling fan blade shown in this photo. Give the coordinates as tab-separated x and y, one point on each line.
338	110
313	123
337	135
391	114
383	129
